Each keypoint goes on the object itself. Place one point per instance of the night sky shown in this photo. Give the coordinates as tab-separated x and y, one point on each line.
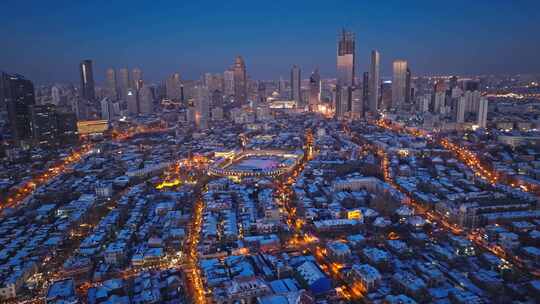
45	40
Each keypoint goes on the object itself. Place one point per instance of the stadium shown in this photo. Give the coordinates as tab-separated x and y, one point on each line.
254	163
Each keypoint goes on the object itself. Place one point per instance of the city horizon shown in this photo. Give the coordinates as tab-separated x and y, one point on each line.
432	40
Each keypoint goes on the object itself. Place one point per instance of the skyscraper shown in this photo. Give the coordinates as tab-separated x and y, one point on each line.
228	82
132	101
110	83
439	103
44	124
460	111
173	87
123	83
295	86
399	83
87	80
240	80
136	79
482	112
345	73
202	107
314	90
17	94
346	59
146	100
106	109
374	82
408	88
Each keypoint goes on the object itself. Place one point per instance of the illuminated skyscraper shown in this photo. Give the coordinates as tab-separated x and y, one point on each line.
399	83
240	80
17	94
87	80
44	124
314	90
346	59
110	83
345	73
374	82
295	86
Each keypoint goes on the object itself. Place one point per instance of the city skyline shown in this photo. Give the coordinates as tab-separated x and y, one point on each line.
270	152
472	44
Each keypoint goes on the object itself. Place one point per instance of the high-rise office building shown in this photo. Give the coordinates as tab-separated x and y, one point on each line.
17	94
136	79
374	81
346	61
357	107
482	112
399	83
146	100
67	127
408	88
110	84
132	100
365	92
44	124
173	87
314	90
87	80
240	80
295	85
228	82
202	107
343	100
123	83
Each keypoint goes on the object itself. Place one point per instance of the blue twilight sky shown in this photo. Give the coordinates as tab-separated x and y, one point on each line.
45	40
